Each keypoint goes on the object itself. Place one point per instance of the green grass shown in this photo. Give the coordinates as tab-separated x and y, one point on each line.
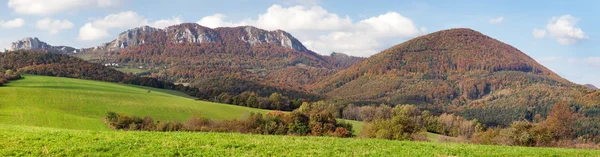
81	104
53	116
35	141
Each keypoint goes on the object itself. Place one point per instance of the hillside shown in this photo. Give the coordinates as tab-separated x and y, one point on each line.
221	60
81	104
456	70
243	58
35	141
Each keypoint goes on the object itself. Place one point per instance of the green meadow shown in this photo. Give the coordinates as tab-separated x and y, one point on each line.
81	104
36	141
53	116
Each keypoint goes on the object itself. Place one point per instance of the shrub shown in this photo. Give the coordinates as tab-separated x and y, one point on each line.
341	132
299	124
197	124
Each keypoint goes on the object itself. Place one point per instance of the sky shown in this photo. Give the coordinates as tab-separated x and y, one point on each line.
561	35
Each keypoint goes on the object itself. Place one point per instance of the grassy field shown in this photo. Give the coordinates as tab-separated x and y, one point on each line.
53	116
81	104
35	141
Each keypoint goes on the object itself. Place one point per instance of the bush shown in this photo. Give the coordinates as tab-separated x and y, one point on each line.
299	124
341	132
317	123
197	124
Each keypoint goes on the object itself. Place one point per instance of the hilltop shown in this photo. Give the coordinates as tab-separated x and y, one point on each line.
457	70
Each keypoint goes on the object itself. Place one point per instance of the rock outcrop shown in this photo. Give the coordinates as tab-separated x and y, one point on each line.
36	44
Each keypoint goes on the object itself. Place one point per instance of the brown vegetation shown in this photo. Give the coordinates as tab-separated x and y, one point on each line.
313	123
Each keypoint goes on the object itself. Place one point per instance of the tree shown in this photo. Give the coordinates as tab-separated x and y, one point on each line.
561	120
367	113
299	124
276	100
252	101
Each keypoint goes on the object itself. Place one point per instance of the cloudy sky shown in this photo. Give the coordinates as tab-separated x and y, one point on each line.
562	35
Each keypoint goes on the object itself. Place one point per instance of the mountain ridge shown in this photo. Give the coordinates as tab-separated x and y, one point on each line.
220	60
457	70
33	43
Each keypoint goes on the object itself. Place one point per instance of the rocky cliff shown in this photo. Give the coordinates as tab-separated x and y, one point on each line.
36	44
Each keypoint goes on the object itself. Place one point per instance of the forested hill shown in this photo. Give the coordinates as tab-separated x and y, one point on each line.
228	60
60	65
456	70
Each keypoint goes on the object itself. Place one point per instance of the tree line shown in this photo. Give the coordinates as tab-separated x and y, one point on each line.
314	123
8	75
42	63
560	129
407	122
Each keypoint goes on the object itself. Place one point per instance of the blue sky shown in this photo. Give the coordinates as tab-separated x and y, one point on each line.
565	37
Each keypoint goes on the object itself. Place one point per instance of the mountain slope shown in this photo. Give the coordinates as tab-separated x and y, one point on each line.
456	70
243	58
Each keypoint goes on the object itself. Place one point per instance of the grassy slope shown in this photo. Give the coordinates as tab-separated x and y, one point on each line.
35	141
81	104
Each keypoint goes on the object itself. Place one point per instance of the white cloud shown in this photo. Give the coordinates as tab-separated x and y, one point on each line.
369	36
99	29
301	18
296	18
497	20
41	7
90	32
216	20
166	22
562	28
53	26
325	32
538	33
15	23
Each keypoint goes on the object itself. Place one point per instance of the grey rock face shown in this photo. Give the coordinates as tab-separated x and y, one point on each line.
182	33
36	44
132	37
257	36
192	33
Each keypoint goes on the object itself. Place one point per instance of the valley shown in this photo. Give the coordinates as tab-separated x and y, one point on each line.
299	80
